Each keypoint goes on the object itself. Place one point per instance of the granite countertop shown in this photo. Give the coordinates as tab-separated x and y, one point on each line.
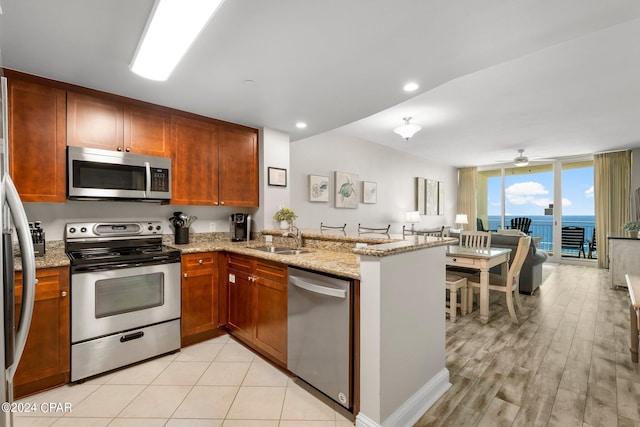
341	263
55	256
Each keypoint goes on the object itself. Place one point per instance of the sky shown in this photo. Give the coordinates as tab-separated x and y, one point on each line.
528	195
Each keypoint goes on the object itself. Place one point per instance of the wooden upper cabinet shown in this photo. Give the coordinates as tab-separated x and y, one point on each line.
238	167
37	141
94	122
147	131
194	146
109	125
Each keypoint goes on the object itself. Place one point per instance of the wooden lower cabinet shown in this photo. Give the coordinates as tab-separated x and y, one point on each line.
258	304
200	319
45	360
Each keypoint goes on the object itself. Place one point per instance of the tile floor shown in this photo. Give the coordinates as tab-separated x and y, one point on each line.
215	383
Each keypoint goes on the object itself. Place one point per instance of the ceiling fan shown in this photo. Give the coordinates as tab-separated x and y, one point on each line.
521	160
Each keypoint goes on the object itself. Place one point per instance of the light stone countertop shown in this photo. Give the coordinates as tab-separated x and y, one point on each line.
345	263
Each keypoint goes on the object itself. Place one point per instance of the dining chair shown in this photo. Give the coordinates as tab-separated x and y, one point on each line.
475	239
453	284
508	284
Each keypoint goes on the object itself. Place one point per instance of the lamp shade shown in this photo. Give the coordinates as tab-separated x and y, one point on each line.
407	130
412	217
461	219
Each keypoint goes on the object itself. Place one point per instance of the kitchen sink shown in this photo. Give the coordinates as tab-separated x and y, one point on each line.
280	250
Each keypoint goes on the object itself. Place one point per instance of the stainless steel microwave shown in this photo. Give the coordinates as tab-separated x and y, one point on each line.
94	174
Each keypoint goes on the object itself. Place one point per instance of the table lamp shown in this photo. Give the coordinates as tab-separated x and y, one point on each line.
412	218
461	219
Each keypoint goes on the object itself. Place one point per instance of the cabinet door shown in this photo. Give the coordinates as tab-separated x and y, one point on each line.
45	361
37	141
271	318
240	290
199	296
238	167
147	131
194	148
94	122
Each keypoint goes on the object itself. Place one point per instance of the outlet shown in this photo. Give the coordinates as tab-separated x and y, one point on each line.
361	245
212	226
268	239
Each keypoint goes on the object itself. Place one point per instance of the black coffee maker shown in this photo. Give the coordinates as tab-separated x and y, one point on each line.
240	224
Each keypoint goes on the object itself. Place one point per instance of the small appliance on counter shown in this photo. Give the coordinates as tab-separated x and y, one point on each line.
240	227
181	224
37	236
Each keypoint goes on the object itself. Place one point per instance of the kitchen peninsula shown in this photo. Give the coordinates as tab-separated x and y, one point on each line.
401	311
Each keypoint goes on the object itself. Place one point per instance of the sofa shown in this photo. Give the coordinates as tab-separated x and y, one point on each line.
531	273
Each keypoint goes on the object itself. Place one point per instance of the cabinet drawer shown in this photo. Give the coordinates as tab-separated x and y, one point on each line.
206	261
239	262
461	261
271	270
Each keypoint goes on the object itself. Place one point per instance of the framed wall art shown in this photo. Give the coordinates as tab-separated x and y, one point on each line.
346	190
432	197
369	192
318	188
277	177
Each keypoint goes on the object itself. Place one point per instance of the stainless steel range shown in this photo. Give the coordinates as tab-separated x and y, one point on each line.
125	295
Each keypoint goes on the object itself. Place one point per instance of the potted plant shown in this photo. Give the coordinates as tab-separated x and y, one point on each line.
632	227
286	217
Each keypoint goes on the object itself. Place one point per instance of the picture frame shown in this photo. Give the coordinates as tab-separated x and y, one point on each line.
277	177
440	198
369	192
432	197
318	188
346	192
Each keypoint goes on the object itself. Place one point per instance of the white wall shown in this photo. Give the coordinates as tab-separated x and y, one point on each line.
393	171
274	152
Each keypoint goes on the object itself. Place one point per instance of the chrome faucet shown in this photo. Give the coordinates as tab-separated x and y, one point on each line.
297	236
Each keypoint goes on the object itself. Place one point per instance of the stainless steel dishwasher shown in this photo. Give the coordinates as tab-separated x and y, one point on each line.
320	333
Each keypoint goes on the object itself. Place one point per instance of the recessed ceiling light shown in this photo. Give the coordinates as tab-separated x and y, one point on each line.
172	26
301	125
411	86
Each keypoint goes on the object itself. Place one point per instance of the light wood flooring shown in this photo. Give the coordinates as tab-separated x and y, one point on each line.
566	364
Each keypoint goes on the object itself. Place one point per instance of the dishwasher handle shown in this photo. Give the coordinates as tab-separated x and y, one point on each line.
317	288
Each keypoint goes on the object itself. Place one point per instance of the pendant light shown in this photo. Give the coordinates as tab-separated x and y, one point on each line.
407	130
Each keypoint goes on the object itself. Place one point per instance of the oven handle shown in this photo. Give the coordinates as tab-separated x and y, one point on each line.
91	268
147	168
131	337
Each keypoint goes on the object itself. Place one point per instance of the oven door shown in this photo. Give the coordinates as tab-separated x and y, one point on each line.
111	301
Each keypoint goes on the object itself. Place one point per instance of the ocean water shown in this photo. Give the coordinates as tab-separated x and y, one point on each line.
542	226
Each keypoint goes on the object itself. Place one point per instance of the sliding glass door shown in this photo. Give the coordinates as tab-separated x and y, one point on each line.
553	196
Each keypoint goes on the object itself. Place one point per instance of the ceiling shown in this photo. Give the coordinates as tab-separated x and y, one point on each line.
556	78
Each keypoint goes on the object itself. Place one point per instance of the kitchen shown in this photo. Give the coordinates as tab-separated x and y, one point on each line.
85	170
328	153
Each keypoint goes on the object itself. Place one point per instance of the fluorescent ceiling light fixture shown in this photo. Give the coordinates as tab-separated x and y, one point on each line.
411	86
407	130
172	27
301	125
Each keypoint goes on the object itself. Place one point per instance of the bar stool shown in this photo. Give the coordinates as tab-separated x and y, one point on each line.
453	283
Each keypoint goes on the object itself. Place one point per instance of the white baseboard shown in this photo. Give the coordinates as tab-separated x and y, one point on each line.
415	407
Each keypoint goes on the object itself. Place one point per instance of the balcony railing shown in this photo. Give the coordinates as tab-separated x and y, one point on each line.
544	230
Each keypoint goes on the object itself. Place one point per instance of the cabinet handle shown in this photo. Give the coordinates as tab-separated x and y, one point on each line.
200	261
185	275
119	148
215	203
63	294
222	203
127	149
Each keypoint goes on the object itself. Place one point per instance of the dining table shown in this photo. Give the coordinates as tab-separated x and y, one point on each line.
481	259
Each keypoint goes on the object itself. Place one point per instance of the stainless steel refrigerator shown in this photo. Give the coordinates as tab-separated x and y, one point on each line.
13	335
